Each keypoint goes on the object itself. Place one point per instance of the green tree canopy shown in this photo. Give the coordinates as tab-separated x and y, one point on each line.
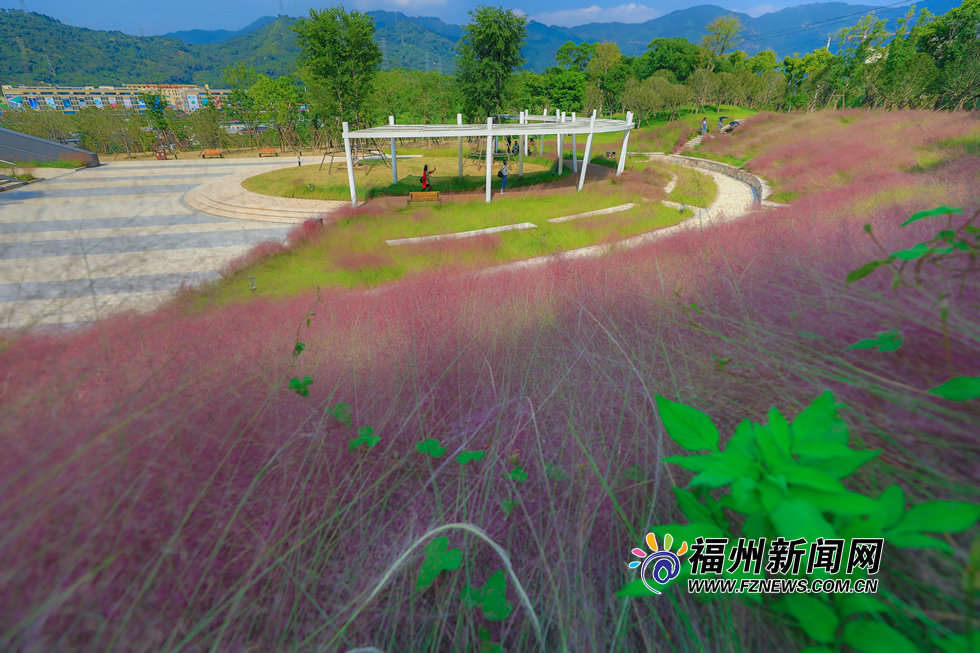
723	34
337	48
575	57
677	55
489	53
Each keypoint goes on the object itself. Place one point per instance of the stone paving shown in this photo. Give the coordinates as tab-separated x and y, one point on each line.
83	243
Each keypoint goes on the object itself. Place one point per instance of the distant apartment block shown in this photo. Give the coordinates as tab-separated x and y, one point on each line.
183	97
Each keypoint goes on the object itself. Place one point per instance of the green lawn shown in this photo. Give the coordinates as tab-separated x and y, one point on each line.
662	136
352	252
373	179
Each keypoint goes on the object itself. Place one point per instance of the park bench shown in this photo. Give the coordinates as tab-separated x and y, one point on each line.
268	150
424	196
206	153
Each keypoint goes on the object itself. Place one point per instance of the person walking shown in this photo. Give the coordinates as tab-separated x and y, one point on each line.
425	177
720	125
504	171
704	125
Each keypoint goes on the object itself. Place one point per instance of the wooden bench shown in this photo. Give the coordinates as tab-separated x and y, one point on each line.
268	150
424	196
206	153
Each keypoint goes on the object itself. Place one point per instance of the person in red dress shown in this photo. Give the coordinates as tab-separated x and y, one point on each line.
425	176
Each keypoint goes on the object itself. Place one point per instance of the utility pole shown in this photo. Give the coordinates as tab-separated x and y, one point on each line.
50	67
385	64
23	6
282	12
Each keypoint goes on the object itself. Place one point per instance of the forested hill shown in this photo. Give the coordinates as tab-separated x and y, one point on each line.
37	48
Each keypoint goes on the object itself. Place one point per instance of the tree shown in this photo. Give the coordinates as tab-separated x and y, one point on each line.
761	62
567	90
240	105
722	33
279	99
489	53
644	98
156	112
704	86
575	57
677	55
337	49
110	129
608	72
205	128
769	87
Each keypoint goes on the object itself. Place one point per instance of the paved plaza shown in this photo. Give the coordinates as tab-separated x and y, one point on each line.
84	243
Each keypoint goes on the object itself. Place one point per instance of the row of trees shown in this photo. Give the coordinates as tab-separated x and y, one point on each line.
929	61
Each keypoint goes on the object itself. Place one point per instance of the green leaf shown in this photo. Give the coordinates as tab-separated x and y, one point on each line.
555	473
873	637
819	421
809	335
341	411
794	518
507	506
365	435
491	598
817	649
779	428
743	498
852	604
431	447
696	464
517	474
438	556
743	443
916	541
884	341
634	589
637	474
815	617
838	503
467	456
772	454
691	429
694	510
919	251
942	210
891	505
962	388
722	469
298	349
833	459
959	643
939	517
865	270
811	478
301	387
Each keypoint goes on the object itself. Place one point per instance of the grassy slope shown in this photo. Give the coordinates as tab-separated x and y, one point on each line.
374	178
188	500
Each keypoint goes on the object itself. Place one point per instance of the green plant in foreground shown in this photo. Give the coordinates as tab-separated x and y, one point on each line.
784	480
954	251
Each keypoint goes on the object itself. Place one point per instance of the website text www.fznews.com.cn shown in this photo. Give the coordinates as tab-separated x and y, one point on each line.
782	585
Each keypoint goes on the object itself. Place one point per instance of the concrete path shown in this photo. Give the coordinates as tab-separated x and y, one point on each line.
84	243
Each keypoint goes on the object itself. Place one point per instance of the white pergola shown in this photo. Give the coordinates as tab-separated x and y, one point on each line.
558	125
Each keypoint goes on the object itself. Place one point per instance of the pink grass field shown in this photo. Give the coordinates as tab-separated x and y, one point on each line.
162	489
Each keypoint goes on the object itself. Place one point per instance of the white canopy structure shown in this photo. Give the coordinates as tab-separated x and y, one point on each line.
558	125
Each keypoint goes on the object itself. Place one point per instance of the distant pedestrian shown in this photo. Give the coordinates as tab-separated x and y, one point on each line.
704	125
530	144
425	177
504	171
720	125
517	147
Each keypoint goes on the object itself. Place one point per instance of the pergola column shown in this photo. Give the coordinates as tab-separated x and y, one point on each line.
350	167
588	152
541	140
523	139
489	154
561	150
459	146
626	140
394	155
574	150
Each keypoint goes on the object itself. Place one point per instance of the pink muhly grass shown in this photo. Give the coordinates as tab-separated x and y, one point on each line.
261	252
178	448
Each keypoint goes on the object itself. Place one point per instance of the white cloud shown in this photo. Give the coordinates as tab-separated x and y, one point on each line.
397	5
631	13
518	12
757	10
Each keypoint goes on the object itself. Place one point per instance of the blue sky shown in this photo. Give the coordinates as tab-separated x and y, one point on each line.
156	17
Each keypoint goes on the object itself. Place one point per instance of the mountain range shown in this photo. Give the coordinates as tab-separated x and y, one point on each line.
37	48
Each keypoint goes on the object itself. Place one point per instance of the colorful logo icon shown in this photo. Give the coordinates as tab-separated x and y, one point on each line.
666	563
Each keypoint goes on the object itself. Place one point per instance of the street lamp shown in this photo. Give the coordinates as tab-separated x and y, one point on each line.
251	283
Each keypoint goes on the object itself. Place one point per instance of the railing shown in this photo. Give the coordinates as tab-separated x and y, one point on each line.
13	174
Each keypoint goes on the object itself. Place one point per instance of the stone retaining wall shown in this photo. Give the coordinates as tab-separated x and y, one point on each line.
722	168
